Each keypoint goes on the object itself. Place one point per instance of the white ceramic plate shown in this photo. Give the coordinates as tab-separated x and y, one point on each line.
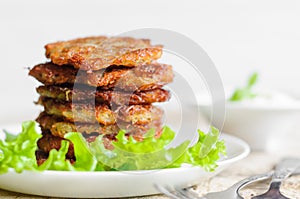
115	184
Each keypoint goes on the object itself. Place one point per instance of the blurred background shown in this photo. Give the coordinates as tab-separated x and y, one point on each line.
241	36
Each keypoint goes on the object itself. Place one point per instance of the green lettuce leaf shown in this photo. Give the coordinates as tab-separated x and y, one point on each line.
85	161
206	152
151	153
18	152
9	137
57	159
128	154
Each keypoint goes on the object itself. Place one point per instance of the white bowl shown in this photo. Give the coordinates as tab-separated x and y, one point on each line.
262	125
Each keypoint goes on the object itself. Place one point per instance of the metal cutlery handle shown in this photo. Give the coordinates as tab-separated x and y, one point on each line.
249	180
233	191
285	168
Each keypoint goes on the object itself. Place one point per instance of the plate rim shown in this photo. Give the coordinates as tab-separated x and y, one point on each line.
240	150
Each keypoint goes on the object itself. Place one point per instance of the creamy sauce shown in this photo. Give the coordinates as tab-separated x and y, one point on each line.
269	98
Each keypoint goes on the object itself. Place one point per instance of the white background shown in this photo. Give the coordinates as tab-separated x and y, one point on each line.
241	36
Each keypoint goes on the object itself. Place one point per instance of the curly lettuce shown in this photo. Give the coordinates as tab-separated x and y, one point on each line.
18	152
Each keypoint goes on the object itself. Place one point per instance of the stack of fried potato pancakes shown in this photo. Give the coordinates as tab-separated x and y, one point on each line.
98	86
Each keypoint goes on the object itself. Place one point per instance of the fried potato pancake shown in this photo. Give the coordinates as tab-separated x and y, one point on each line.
48	142
144	77
69	94
95	53
59	127
102	113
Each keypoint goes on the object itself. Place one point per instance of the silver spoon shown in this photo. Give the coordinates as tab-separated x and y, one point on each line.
283	170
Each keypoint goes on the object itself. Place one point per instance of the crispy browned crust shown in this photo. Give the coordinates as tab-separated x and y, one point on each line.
101	113
46	121
41	156
69	94
145	77
59	127
95	53
51	74
49	141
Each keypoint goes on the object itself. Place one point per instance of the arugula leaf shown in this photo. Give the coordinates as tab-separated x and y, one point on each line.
246	92
19	152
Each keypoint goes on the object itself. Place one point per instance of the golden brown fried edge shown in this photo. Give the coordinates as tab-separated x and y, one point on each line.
95	53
